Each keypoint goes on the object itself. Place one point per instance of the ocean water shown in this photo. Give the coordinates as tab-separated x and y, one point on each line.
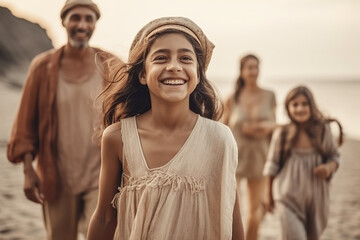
336	99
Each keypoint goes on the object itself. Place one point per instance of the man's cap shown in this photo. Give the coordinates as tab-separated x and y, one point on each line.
70	4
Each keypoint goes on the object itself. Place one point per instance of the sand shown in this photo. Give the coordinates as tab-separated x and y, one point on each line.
22	220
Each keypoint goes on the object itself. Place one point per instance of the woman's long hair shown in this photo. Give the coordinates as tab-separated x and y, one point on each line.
126	97
240	82
314	127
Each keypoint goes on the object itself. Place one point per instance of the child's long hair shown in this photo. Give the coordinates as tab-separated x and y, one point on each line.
126	97
240	82
314	127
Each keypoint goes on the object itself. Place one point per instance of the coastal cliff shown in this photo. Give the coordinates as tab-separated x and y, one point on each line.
20	41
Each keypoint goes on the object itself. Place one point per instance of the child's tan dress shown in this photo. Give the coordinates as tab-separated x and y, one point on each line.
301	198
190	197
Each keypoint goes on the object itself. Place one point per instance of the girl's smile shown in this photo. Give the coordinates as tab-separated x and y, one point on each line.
173	82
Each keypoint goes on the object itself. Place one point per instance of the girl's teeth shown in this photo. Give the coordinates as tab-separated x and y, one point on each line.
174	82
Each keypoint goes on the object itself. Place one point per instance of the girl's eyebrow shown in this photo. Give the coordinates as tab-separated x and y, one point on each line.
182	50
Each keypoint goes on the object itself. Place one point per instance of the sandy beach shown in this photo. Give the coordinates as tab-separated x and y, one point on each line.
21	219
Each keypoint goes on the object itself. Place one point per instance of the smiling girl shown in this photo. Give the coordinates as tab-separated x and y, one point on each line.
167	167
301	160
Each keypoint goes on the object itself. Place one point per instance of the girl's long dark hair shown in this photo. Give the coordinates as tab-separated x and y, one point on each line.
240	83
126	97
314	127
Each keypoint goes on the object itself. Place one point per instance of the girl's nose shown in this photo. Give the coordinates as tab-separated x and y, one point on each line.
174	65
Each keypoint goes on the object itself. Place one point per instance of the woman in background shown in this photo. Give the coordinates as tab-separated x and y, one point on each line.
250	114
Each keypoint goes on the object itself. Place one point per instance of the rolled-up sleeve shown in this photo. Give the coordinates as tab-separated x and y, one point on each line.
24	136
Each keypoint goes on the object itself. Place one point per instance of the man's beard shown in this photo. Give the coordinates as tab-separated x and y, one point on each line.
79	44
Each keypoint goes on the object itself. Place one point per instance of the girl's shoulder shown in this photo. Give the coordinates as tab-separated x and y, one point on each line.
217	129
115	128
284	131
277	131
112	133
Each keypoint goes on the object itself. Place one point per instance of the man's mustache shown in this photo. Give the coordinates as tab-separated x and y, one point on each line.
78	30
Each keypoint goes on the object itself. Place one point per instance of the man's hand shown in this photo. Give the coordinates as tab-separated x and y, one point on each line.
31	182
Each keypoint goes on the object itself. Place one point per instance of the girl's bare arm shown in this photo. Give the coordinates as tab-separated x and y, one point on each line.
269	200
103	222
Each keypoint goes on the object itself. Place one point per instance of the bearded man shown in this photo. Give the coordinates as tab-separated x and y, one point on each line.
55	126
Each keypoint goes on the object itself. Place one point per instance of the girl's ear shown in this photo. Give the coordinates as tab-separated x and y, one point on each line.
142	78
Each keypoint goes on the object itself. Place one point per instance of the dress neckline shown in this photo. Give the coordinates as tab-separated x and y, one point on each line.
197	123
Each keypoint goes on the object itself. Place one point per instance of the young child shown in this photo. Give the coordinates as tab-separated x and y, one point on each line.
301	160
167	167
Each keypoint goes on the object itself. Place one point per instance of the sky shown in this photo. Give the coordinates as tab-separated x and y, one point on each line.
295	40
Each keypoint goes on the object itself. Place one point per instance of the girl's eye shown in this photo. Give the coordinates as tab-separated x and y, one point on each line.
305	104
186	58
160	58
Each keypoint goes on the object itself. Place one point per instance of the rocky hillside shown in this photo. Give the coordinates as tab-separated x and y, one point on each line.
20	41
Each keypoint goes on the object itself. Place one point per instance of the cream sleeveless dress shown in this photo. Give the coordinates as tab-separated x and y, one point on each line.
190	197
